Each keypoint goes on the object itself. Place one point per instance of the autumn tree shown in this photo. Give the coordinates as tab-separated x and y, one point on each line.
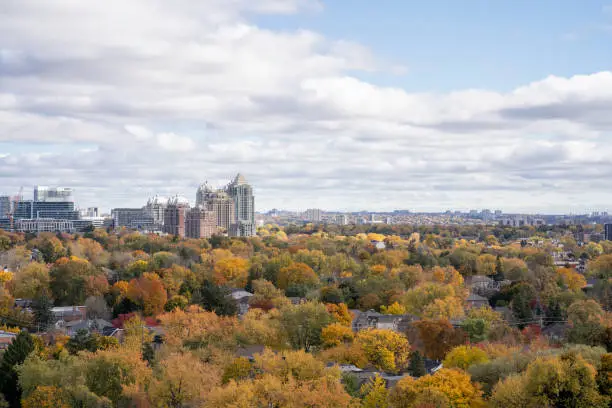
336	334
148	291
297	274
47	397
231	271
564	381
485	264
49	245
32	281
340	313
375	393
385	349
394	309
68	280
515	269
266	296
183	380
586	318
464	356
450	387
438	337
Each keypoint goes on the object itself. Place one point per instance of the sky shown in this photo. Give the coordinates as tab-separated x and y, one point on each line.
341	105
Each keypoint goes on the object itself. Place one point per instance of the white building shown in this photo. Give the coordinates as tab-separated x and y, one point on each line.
44	225
341	219
313	215
52	194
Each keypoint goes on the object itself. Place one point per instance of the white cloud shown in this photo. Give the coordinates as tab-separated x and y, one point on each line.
175	143
126	99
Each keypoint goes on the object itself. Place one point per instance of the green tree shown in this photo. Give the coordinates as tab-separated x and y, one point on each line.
417	365
216	299
41	309
303	324
14	355
475	328
81	341
499	269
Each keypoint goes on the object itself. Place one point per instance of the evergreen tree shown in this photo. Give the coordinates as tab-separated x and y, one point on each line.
82	340
417	365
554	313
41	308
148	354
14	355
216	299
499	269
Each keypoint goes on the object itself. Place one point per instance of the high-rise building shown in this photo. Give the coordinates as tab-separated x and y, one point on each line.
220	203
608	232
5	206
63	210
313	215
175	215
200	223
155	209
341	219
52	194
133	218
244	207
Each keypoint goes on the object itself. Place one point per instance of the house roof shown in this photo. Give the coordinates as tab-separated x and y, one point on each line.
471	280
250	351
476	298
89	323
240	294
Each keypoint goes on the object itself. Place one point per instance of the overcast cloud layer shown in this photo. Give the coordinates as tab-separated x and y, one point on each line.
124	99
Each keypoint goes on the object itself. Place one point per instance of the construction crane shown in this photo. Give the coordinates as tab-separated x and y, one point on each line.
13	207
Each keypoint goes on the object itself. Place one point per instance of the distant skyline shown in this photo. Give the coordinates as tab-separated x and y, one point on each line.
335	105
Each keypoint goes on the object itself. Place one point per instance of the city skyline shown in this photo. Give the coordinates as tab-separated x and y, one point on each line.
143	201
421	105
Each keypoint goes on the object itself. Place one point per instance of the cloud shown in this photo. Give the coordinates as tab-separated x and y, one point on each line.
128	99
175	143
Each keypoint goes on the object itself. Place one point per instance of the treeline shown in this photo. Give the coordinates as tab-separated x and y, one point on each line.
187	342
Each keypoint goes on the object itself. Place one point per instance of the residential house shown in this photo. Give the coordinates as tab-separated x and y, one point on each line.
91	325
249	352
475	300
241	297
64	314
374	320
6	338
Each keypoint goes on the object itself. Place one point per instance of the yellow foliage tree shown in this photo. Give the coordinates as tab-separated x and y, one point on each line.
572	279
336	334
183	380
196	324
297	274
454	384
448	308
32	281
378	269
485	264
465	356
46	397
231	271
385	349
340	313
393	309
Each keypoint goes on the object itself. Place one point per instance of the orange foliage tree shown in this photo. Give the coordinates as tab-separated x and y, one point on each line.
149	292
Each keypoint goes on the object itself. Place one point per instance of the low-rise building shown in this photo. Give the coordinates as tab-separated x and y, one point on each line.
374	320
